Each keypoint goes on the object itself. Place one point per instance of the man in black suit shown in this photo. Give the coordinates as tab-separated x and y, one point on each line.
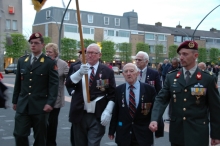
132	111
89	119
147	74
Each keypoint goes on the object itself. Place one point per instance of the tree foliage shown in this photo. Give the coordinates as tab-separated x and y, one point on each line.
125	52
158	52
172	51
86	43
108	51
68	49
213	55
17	49
142	47
202	55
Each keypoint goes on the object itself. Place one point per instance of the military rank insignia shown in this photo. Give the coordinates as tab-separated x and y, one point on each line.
199	76
42	60
26	59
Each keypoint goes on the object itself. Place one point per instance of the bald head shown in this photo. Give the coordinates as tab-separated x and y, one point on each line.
202	66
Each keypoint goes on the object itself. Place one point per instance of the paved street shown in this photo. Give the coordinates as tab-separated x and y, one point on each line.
7	121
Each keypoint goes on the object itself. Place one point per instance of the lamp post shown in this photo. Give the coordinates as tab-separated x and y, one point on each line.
184	33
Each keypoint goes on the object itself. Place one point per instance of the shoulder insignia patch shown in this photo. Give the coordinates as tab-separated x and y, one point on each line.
173	71
208	72
42	60
26	59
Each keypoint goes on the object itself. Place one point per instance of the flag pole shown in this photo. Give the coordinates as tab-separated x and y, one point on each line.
82	48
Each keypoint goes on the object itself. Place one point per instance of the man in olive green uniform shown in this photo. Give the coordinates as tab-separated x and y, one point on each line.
35	93
195	101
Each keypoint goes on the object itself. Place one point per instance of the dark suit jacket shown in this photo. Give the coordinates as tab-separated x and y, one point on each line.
189	123
123	124
71	87
164	69
153	75
37	86
77	102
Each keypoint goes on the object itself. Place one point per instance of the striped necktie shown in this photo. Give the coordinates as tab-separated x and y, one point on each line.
132	104
92	76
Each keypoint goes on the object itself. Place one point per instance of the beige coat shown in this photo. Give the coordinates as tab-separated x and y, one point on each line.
63	70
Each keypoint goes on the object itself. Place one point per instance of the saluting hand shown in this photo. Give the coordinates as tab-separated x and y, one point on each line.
153	126
47	108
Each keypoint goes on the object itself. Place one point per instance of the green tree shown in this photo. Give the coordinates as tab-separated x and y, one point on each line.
202	55
213	55
17	49
125	52
86	43
142	47
68	49
172	51
158	51
46	41
108	51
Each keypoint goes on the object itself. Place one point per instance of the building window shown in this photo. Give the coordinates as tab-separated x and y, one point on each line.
186	38
11	9
8	24
92	30
46	30
164	50
86	30
117	22
149	36
152	49
121	33
48	14
218	41
71	28
14	25
106	20
67	16
209	40
161	37
90	18
177	38
109	32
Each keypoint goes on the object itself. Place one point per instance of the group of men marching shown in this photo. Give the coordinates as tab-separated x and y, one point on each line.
133	109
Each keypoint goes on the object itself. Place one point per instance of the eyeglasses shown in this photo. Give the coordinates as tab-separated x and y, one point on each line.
35	43
92	53
139	60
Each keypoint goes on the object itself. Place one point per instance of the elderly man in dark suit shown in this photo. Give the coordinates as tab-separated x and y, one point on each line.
164	69
35	93
195	101
89	119
132	111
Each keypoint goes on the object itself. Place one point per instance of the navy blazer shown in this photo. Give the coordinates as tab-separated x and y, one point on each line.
77	102
124	125
153	75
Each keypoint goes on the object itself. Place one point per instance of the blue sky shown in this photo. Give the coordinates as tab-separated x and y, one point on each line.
169	12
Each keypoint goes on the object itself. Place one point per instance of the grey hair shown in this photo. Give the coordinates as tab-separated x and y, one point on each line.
94	45
146	56
135	66
175	59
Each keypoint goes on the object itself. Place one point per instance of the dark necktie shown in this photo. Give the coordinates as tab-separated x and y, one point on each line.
92	76
141	72
132	104
34	61
187	76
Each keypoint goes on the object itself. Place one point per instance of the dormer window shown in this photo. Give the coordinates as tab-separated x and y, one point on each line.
90	18
106	20
117	22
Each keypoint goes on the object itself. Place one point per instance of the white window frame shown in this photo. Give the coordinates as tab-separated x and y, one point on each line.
14	25
48	13
117	22
67	16
90	18
8	24
77	18
106	20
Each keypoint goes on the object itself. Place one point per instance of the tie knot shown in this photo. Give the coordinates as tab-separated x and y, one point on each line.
91	67
187	72
131	87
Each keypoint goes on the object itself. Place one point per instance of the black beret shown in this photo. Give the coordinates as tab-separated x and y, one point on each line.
35	36
188	45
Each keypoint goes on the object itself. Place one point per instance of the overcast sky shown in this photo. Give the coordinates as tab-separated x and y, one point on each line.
169	12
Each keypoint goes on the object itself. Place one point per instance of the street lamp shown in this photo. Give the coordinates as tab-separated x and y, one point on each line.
184	33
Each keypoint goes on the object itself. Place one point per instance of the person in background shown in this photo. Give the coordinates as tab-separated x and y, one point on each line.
174	65
35	93
71	89
132	111
216	71
202	66
195	102
89	119
63	68
159	70
164	69
109	65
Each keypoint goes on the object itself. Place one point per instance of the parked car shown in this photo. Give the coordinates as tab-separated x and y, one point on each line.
12	68
116	70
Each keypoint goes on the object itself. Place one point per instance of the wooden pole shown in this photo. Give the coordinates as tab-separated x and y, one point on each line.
82	48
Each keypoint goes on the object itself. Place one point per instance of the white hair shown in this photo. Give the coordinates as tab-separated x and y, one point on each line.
94	45
131	64
143	53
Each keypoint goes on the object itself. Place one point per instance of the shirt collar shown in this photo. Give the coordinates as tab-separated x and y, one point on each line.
135	84
95	66
143	69
192	70
32	56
